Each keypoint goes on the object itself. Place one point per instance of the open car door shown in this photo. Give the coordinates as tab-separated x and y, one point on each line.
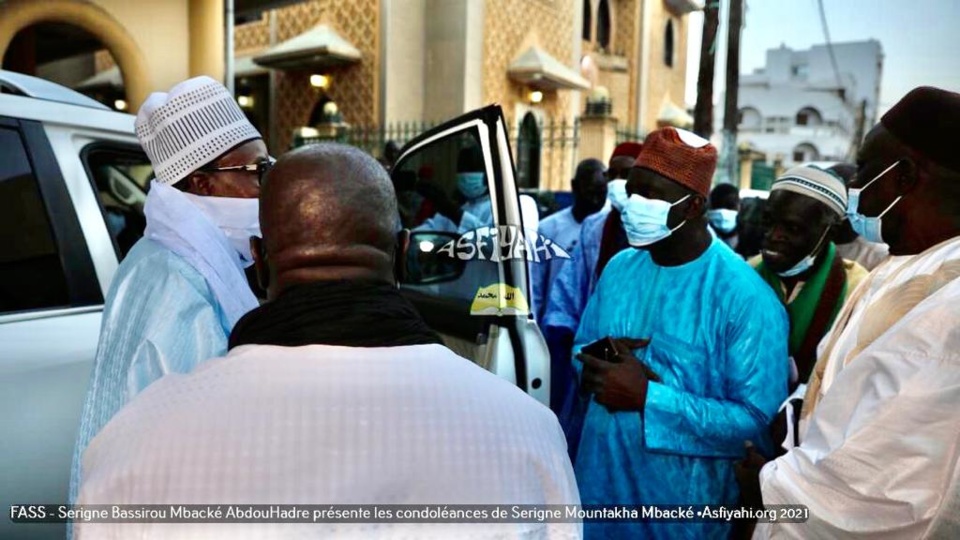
467	266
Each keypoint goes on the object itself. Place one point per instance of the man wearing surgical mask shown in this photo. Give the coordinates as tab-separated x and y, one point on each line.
589	186
601	237
682	350
801	264
724	207
476	210
180	290
878	448
850	245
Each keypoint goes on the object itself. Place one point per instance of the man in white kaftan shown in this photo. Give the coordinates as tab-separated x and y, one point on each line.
180	290
880	447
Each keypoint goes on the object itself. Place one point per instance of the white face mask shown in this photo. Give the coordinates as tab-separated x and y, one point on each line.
805	263
617	193
645	220
238	219
870	228
723	219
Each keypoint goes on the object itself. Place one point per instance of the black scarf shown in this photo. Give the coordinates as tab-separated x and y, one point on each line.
346	313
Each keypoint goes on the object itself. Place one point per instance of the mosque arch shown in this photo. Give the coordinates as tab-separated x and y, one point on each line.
809	116
805	152
668	44
587	21
604	25
528	153
750	119
17	15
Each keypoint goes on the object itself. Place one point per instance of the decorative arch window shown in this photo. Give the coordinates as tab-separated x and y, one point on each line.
808	116
603	24
587	21
749	119
668	44
528	153
805	152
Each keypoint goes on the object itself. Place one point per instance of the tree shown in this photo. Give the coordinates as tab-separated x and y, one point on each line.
703	112
727	169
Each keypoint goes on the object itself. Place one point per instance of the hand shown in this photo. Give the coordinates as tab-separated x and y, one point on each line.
619	386
748	476
624	350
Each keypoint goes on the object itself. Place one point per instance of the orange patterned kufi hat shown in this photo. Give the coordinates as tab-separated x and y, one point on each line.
682	156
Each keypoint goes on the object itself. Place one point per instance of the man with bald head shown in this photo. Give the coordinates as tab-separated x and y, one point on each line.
878	454
334	392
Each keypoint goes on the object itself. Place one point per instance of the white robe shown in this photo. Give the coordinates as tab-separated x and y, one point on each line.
868	254
331	425
880	454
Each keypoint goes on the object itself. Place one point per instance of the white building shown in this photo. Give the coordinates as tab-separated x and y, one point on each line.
795	109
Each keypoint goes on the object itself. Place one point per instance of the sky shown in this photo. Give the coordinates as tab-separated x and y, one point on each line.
920	39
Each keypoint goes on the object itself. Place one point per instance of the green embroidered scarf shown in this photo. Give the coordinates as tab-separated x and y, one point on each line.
804	306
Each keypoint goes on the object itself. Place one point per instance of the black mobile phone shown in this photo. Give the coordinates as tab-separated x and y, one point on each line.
603	349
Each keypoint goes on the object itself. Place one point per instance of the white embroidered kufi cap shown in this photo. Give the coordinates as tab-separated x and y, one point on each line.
190	126
817	184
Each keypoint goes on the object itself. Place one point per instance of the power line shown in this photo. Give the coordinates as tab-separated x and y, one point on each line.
826	35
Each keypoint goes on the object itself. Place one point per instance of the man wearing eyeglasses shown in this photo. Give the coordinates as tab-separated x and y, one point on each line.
178	293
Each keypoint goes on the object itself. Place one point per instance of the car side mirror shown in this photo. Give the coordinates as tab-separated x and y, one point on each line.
431	258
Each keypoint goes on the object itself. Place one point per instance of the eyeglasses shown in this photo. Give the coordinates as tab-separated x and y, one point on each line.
260	168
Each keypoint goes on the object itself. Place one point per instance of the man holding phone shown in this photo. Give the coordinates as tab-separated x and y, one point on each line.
682	349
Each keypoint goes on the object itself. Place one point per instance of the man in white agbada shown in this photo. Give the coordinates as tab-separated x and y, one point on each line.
880	448
850	245
334	392
182	287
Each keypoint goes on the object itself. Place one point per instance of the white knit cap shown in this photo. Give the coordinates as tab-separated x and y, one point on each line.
817	184
190	126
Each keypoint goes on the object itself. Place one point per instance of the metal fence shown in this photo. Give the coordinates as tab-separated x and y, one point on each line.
371	139
544	152
630	134
762	176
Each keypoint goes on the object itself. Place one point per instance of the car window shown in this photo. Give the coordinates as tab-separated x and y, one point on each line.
443	197
31	274
120	175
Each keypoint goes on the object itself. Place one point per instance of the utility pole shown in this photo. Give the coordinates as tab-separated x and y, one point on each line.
729	156
703	111
858	132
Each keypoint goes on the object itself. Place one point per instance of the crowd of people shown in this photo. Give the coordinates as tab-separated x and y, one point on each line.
823	372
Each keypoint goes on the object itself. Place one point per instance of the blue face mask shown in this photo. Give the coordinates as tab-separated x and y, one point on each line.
723	220
870	228
472	185
645	220
617	194
805	263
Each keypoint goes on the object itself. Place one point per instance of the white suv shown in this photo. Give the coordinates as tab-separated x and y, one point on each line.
71	198
72	186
